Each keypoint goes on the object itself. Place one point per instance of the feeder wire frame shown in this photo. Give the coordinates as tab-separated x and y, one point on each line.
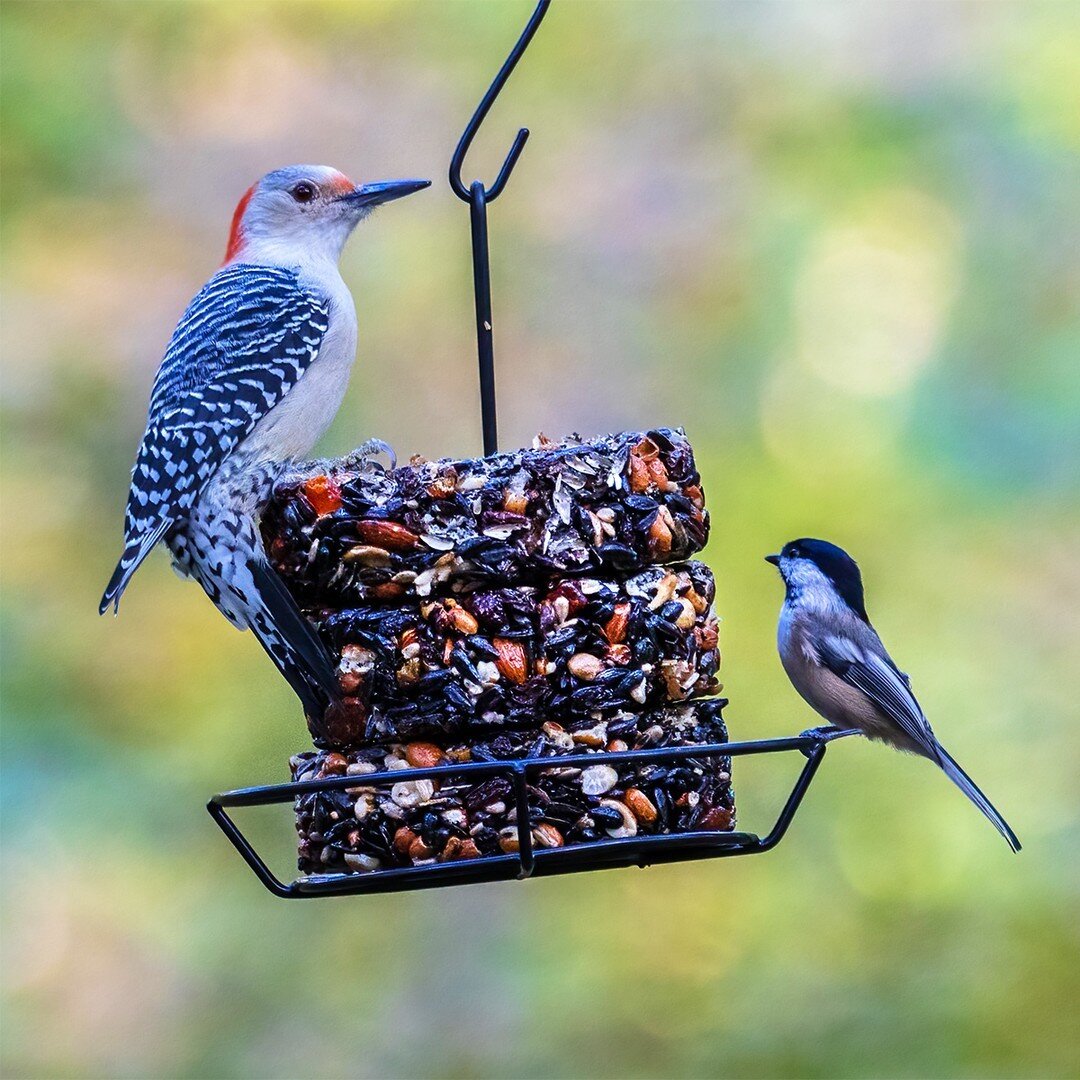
529	861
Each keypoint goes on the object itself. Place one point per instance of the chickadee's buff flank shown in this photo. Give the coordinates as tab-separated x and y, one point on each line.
837	662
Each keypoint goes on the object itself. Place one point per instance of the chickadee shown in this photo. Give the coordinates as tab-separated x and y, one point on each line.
836	661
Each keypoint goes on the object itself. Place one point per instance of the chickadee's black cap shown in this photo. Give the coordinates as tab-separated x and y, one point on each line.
836	564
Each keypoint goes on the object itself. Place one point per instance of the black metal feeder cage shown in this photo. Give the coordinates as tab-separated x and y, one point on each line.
528	860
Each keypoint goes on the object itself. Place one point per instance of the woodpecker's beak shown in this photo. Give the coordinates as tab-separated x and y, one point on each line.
384	191
774	559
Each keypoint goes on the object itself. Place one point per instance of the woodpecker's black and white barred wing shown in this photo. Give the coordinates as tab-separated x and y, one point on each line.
241	346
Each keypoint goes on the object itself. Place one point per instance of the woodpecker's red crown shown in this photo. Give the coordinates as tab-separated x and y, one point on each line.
304	183
304	212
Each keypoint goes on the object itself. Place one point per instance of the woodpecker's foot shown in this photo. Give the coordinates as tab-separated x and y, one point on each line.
828	732
370	449
297	472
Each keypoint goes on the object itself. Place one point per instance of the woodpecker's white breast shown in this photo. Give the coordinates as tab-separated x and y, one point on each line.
292	427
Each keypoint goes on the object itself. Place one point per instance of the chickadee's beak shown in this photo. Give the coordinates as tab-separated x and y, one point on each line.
383	192
774	559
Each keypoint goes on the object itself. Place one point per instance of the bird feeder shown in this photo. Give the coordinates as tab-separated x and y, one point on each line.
526	858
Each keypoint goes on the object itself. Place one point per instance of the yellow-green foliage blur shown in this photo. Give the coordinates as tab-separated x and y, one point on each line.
838	243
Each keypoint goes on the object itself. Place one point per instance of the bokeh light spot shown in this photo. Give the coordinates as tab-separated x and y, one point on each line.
872	299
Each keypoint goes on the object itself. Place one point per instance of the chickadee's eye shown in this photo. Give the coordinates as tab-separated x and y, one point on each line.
303	192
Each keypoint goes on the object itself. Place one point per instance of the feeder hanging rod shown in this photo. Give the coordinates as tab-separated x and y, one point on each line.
478	196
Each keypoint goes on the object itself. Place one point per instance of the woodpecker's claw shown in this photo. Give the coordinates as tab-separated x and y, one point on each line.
370	449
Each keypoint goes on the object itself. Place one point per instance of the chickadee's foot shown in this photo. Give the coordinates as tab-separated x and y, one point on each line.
370	449
828	732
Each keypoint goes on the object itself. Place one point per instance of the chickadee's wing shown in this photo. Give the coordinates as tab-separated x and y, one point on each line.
859	658
873	672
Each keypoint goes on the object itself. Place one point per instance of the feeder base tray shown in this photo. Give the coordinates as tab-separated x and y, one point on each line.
527	861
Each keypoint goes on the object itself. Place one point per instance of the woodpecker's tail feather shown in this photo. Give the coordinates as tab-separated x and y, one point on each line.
135	551
969	788
292	644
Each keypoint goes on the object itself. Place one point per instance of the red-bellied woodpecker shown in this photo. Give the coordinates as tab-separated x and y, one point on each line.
255	371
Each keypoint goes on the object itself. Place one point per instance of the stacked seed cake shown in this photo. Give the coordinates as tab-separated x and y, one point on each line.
530	604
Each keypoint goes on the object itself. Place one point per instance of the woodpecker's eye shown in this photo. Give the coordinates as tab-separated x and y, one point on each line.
303	192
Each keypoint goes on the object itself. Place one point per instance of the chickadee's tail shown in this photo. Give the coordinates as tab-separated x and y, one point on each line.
291	643
968	787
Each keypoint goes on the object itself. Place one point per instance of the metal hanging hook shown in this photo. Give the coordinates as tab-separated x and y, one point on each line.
492	193
477	196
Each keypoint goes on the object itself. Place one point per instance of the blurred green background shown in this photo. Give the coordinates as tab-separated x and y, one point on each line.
838	243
